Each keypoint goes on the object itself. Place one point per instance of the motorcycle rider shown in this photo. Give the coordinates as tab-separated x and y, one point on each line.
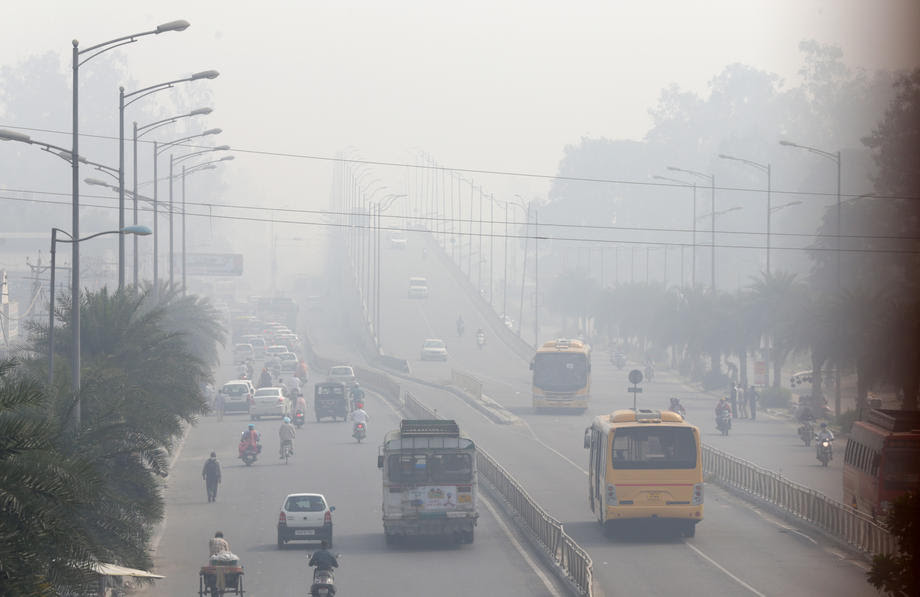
357	395
480	337
217	544
251	439
323	560
265	379
286	434
359	415
460	325
677	407
300	405
724	409
211	475
824	434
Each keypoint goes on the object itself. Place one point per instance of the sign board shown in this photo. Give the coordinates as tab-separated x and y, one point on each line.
635	376
213	264
760	373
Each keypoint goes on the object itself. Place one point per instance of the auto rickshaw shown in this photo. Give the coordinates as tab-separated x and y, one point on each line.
330	399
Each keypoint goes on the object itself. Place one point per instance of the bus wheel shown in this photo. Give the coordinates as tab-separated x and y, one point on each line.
610	529
689	529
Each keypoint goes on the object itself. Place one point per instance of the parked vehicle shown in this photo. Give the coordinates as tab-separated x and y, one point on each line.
305	517
330	400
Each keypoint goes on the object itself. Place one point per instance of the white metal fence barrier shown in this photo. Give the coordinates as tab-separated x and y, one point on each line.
836	519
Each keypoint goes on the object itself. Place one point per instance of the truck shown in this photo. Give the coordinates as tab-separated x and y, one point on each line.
429	481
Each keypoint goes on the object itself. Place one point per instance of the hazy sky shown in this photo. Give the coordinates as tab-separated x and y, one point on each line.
496	85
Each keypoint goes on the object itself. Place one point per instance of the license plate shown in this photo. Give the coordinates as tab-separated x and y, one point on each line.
305	532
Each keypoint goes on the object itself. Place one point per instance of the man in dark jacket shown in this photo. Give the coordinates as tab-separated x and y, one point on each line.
211	475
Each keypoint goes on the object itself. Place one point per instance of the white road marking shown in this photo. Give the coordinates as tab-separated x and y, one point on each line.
535	438
530	562
724	570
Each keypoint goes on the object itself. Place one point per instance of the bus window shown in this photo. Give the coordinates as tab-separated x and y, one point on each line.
408	468
451	468
902	470
654	448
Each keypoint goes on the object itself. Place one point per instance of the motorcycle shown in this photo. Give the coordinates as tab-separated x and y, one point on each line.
724	422
649	373
359	432
299	419
249	453
460	329
677	407
825	452
480	340
619	360
323	583
806	432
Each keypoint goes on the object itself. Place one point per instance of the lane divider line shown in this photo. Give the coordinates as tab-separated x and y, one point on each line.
724	570
520	548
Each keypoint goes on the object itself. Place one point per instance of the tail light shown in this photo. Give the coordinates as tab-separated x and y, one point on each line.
328	518
611	495
698	494
282	518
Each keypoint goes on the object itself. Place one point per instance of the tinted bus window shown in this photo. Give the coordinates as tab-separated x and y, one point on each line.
654	448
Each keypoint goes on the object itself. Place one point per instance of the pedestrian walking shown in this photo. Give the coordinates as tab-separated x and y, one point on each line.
742	402
753	397
733	400
211	475
219	405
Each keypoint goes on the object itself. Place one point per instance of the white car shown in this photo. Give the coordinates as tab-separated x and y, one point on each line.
288	362
342	373
418	287
268	402
305	517
274	350
237	395
434	349
398	241
243	353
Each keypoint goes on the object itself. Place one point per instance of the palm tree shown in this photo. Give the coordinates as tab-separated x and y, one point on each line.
778	299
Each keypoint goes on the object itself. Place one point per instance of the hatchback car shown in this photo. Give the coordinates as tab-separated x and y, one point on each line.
418	287
237	395
434	349
288	362
274	350
305	517
342	373
243	353
268	402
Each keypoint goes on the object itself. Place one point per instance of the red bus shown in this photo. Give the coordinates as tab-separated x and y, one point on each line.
882	460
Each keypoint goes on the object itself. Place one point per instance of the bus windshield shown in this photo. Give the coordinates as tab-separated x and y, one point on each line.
654	448
560	372
430	468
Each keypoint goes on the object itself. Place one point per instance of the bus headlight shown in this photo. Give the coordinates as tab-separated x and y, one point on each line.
698	494
611	495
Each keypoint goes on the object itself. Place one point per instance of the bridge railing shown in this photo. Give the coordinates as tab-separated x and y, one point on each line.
834	518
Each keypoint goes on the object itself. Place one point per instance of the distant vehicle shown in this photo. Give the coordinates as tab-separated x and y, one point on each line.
434	349
288	362
275	349
645	466
429	481
305	517
562	375
243	353
237	395
418	287
881	460
398	241
268	402
259	345
509	323
342	373
330	400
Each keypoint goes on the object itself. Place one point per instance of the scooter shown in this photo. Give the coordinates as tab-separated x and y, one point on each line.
724	422
619	360
323	583
677	407
825	452
480	340
806	432
359	432
299	419
248	453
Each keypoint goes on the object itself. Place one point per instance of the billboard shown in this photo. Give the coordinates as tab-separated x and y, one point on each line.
213	264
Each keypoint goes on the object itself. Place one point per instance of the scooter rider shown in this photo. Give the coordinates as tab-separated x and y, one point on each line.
286	434
251	438
323	559
824	434
460	325
359	415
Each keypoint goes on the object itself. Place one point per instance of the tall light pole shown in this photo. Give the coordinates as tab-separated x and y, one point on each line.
90	53
712	186
383	205
763	168
834	157
185	171
122	104
133	230
693	224
140	131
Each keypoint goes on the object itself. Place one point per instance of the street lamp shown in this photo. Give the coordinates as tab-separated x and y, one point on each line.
136	95
157	150
382	206
763	168
692	222
196	168
834	157
712	185
135	230
140	131
90	52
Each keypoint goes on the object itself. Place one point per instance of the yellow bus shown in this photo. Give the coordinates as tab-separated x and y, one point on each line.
645	465
562	375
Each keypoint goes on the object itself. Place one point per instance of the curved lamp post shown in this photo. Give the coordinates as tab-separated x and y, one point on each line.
763	168
384	204
692	223
77	60
122	104
712	185
135	230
